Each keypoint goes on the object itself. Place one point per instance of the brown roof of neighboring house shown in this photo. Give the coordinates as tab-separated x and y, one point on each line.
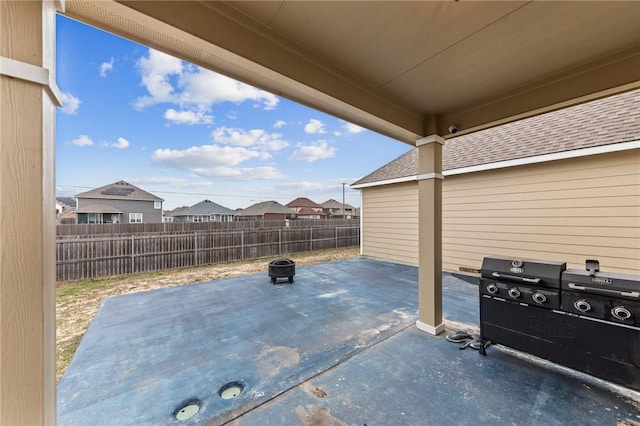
70	213
607	121
306	211
120	190
265	207
303	202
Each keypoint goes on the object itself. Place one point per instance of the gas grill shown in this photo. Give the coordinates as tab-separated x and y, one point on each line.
583	319
533	282
610	297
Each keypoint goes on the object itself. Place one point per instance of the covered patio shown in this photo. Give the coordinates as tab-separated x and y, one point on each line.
336	347
414	71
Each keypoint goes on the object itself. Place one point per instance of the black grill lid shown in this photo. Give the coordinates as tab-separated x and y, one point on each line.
625	285
540	272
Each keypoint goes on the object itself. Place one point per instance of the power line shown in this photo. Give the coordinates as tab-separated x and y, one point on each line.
188	193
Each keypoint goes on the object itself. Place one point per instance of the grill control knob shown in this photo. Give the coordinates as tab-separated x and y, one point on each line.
539	298
514	292
621	313
492	288
582	305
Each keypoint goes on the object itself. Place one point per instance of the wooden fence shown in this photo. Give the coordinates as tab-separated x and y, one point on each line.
91	256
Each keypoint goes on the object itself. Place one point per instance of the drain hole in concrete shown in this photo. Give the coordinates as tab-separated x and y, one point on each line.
231	390
187	409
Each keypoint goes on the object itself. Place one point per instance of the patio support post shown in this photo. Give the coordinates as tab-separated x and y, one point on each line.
28	99
430	234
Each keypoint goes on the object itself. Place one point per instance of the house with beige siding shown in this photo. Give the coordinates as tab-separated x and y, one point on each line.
561	186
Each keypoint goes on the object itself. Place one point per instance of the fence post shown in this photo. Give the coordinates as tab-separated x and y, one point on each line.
336	237
311	239
279	241
195	248
242	244
133	261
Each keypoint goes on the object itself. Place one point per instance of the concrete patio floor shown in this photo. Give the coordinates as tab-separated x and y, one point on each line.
339	346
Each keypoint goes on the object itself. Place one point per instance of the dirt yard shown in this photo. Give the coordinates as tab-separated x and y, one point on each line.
78	301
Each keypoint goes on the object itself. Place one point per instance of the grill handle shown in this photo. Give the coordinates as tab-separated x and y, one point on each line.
635	294
516	278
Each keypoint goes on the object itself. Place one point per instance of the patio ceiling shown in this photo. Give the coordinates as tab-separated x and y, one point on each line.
404	69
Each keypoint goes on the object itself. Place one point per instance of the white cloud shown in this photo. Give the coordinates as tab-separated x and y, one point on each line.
121	143
105	67
70	104
305	186
169	80
201	157
314	127
156	70
249	138
352	128
82	140
204	87
313	152
279	124
217	161
244	173
188	116
170	181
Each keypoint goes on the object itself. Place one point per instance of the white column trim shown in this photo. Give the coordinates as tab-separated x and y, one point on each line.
427	176
59	4
430	139
33	74
361	223
434	331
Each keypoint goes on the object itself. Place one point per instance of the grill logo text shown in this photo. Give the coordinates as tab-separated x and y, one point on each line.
601	280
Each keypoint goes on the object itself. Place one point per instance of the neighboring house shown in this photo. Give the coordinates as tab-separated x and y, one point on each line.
334	209
65	210
204	211
266	210
119	202
561	186
64	203
309	213
167	215
306	209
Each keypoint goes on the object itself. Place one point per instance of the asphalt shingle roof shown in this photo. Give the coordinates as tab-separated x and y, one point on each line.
205	207
606	121
333	204
305	211
303	202
119	191
265	207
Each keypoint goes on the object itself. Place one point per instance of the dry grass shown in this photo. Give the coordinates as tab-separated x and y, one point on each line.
77	302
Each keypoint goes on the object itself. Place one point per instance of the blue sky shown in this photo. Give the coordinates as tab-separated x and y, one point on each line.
187	134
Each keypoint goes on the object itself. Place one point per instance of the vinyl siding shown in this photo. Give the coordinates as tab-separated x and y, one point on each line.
390	223
566	210
146	207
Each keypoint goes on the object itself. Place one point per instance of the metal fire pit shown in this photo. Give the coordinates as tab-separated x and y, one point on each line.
282	268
